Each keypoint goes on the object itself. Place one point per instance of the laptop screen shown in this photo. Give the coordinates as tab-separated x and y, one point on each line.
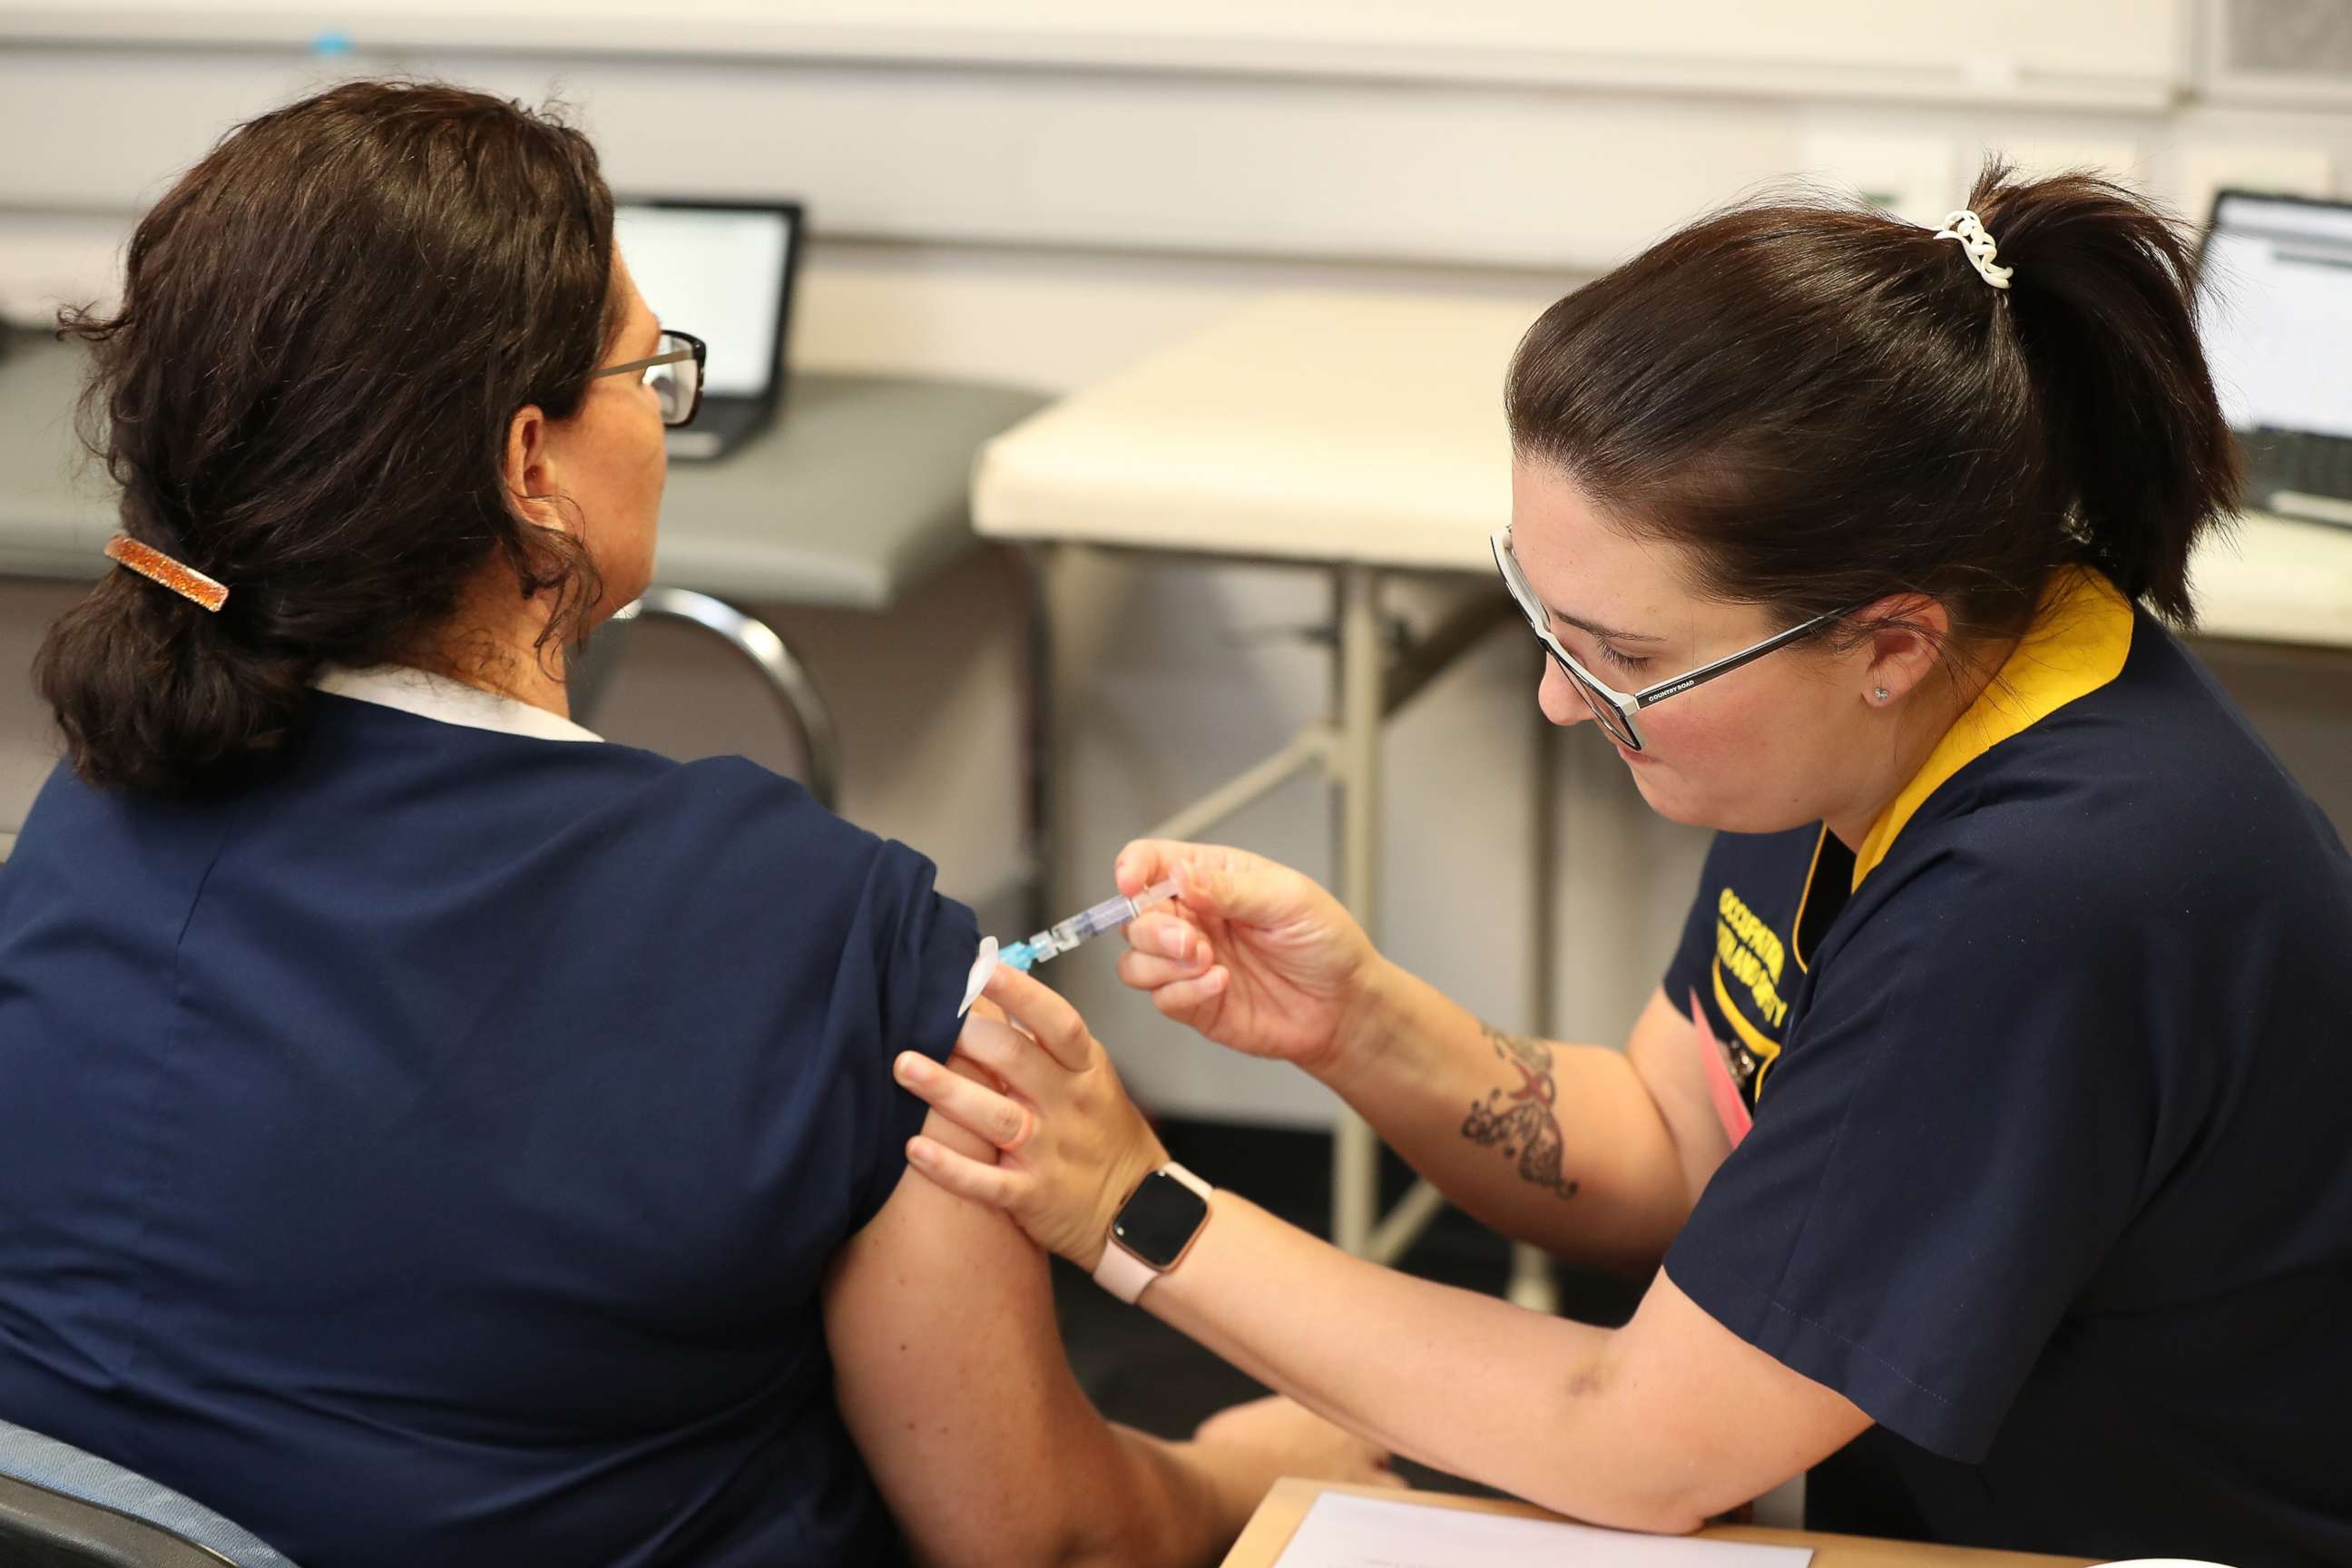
721	273
2278	280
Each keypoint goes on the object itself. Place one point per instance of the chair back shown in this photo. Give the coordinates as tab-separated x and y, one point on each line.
61	1507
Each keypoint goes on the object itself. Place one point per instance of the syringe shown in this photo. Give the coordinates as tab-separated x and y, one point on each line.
1108	915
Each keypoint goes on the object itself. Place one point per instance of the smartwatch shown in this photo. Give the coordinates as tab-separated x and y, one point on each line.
1155	1228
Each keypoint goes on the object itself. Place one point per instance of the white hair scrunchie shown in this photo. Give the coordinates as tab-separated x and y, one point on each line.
1969	230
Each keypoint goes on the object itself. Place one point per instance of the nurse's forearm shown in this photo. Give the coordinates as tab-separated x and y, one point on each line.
1560	1145
1458	1381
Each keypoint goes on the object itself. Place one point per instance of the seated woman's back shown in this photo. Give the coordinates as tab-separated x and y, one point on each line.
451	1125
430	1134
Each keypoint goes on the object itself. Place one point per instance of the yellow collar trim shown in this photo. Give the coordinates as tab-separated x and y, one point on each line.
2077	643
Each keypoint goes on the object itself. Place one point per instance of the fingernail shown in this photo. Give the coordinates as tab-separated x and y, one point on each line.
912	1069
920	1152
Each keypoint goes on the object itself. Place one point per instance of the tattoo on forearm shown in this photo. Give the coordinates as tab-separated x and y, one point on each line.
1523	1121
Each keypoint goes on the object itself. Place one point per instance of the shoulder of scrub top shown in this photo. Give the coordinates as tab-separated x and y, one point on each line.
755	840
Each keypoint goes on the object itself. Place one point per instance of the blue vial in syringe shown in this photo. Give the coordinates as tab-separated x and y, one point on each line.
1108	915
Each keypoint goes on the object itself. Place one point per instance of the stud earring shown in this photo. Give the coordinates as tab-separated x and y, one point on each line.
1879	695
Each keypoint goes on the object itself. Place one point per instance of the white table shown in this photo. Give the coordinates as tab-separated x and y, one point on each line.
1364	433
1368	429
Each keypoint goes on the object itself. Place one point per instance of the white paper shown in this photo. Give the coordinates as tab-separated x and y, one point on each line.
1345	1531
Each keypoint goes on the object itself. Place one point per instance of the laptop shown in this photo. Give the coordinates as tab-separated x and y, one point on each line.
2277	272
724	272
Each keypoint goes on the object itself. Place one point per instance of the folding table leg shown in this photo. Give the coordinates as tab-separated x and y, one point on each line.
1355	1151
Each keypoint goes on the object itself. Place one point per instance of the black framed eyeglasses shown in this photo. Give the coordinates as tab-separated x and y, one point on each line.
1615	709
674	374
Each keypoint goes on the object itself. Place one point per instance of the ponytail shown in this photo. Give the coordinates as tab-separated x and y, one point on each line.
2104	309
153	694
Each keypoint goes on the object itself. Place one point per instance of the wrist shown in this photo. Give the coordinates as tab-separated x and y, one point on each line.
1371	1028
1120	1179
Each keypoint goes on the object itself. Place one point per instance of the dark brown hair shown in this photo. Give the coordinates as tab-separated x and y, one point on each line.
1831	406
326	327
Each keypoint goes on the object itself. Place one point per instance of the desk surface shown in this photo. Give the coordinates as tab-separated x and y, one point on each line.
1277	1519
858	489
1369	428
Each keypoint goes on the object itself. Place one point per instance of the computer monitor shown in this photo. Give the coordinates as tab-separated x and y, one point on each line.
2276	276
724	272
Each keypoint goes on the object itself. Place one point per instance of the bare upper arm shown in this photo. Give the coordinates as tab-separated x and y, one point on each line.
1636	1145
1700	1421
1665	1052
950	1372
1710	1417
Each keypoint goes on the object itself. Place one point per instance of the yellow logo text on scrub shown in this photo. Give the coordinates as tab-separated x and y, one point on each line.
1751	953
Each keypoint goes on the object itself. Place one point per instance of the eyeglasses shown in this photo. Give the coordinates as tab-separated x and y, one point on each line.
674	374
1615	709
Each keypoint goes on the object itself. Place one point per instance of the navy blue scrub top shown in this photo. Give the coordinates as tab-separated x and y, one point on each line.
428	1151
2051	1081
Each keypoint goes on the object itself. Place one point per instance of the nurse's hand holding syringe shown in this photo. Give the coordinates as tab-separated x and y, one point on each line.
1258	958
1255	955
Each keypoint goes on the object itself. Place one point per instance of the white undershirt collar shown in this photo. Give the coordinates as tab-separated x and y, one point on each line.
436	697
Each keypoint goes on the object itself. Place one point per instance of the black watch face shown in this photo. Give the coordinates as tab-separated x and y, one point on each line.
1160	1219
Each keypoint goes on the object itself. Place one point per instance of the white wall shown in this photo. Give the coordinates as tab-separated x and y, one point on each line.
1047	223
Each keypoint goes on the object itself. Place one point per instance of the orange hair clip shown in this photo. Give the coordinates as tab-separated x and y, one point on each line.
157	567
